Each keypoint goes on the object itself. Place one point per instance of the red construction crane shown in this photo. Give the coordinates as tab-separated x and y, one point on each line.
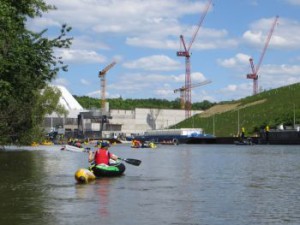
254	69
103	83
186	53
183	89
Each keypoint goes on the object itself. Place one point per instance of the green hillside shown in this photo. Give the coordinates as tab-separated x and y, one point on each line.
274	107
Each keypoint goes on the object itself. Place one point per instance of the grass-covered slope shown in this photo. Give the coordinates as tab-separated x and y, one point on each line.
274	107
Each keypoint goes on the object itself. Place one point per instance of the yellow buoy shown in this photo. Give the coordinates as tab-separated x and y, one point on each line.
84	175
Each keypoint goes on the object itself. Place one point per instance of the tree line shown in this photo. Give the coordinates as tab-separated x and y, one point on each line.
130	104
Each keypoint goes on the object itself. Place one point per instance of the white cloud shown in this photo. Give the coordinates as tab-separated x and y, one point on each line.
122	16
165	93
273	76
234	91
41	23
286	33
179	78
61	81
150	42
230	88
294	2
88	43
200	95
84	82
197	77
80	56
154	63
152	24
169	39
292	70
238	61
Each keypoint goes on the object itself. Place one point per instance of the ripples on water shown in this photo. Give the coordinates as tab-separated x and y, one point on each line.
185	184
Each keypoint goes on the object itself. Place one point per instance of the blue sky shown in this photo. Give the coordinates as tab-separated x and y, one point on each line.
143	37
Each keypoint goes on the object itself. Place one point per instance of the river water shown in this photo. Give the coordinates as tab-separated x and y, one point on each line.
185	184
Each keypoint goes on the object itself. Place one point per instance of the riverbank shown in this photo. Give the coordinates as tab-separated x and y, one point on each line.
274	137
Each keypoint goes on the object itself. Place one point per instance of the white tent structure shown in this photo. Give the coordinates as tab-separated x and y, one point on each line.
67	100
71	105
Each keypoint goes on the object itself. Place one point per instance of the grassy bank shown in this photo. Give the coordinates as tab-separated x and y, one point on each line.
273	107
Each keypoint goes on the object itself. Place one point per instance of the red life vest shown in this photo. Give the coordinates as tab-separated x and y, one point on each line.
102	156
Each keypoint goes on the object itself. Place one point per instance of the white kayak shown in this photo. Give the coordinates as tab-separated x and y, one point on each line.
72	148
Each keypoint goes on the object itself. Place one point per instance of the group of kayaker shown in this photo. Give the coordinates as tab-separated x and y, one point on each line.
142	144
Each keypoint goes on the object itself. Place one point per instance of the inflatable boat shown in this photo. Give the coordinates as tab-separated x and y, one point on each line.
97	171
114	170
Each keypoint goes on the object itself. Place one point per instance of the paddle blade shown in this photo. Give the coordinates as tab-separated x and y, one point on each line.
134	162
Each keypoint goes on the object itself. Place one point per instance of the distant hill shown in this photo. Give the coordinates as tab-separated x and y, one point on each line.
273	107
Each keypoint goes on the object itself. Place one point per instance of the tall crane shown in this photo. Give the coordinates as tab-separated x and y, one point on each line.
183	89
186	53
102	74
254	69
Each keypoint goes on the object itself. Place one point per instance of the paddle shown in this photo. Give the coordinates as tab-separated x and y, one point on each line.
134	162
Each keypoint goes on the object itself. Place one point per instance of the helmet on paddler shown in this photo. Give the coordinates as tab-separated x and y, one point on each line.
105	144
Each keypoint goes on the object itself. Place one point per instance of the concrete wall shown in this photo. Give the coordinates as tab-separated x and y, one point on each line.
135	121
142	119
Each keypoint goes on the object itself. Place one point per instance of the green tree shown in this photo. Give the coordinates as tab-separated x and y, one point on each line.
27	65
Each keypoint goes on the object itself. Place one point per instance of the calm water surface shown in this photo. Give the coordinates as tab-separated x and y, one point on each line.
185	184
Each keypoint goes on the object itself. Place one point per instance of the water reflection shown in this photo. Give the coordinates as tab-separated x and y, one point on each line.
103	191
21	189
98	190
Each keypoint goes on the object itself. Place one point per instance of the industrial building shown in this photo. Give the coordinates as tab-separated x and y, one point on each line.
114	123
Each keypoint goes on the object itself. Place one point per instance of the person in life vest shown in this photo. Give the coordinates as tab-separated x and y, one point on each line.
102	155
243	133
267	130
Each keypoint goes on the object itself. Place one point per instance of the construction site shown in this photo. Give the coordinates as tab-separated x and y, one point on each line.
97	124
106	123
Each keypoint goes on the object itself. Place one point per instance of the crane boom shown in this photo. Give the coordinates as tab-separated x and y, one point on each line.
193	86
103	83
254	74
183	89
104	71
186	53
199	24
266	44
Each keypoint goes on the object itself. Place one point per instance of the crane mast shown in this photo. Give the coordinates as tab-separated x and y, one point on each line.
254	74
102	76
186	53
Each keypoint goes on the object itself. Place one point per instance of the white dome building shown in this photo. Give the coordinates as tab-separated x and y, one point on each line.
54	121
67	99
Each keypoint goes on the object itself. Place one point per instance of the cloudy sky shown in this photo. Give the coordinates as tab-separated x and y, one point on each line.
142	36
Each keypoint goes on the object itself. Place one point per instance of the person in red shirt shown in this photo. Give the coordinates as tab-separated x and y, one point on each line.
102	155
